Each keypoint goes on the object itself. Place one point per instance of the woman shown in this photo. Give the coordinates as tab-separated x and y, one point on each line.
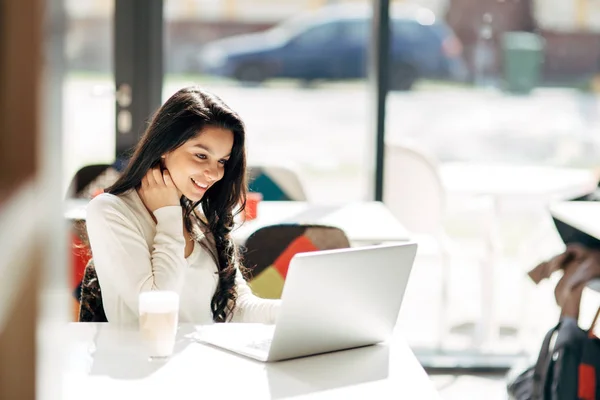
166	223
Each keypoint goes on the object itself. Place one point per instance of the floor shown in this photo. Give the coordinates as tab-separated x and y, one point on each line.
467	387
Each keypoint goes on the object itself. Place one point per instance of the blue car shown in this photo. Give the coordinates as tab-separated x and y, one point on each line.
333	44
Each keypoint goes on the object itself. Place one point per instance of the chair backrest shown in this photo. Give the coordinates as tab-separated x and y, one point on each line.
91	308
413	189
276	183
79	258
269	250
92	178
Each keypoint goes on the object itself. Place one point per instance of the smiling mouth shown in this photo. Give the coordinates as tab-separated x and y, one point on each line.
199	185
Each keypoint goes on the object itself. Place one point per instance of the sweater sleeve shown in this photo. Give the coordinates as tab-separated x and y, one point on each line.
121	254
251	308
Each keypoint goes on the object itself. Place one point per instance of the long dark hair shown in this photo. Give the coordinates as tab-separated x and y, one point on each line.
180	119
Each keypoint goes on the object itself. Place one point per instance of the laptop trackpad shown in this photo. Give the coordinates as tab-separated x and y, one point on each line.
237	336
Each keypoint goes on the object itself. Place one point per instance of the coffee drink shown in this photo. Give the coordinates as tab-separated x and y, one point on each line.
159	311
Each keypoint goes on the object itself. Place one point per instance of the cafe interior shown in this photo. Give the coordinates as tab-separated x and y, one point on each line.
419	215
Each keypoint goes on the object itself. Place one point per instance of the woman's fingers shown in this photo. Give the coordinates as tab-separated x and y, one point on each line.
158	176
158	190
167	179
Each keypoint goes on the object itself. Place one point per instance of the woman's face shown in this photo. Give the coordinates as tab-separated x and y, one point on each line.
200	162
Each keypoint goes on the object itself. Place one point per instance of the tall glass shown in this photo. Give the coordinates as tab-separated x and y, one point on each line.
159	311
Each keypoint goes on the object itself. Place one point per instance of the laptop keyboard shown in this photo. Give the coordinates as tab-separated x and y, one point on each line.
257	337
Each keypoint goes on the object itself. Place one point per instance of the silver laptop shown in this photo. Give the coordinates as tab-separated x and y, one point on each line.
332	300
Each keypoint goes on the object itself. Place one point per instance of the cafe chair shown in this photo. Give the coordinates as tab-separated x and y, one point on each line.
91	180
91	308
268	252
88	182
80	256
415	194
275	183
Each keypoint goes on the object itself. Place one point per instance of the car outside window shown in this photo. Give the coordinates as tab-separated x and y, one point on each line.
317	36
408	30
355	32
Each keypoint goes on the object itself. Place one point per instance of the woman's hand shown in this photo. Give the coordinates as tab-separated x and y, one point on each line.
158	190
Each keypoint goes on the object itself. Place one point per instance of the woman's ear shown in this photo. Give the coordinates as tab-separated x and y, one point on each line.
162	162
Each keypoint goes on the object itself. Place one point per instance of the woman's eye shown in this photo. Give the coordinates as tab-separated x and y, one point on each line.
223	162
201	156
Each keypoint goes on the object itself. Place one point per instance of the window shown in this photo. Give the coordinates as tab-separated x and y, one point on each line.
320	131
504	110
88	89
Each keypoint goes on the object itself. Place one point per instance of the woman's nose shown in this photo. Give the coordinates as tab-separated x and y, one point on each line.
211	173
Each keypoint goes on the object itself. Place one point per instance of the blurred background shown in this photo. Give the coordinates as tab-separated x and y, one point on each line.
457	99
499	96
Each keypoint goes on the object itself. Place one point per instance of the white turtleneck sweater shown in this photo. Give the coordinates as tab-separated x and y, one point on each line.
133	254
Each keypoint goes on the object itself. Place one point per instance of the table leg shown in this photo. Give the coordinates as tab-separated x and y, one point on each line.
487	329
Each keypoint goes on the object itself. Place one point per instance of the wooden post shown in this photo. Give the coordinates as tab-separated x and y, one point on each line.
20	67
20	57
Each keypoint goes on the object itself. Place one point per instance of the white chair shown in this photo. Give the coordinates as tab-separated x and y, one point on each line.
415	194
413	190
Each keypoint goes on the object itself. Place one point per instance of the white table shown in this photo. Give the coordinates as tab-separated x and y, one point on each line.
106	363
501	183
517	180
365	223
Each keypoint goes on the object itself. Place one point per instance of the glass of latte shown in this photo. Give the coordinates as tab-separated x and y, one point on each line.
159	311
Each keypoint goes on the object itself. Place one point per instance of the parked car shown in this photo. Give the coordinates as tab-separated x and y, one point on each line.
333	44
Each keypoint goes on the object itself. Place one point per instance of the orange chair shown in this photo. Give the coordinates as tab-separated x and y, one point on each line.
88	182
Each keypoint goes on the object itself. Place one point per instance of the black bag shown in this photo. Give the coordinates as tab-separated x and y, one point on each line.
521	387
568	366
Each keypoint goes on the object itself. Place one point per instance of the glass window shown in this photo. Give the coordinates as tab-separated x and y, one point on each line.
89	100
307	111
505	105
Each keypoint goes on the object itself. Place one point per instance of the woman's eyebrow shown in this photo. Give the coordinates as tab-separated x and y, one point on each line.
208	150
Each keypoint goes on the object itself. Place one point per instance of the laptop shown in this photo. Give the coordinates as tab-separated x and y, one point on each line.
332	300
